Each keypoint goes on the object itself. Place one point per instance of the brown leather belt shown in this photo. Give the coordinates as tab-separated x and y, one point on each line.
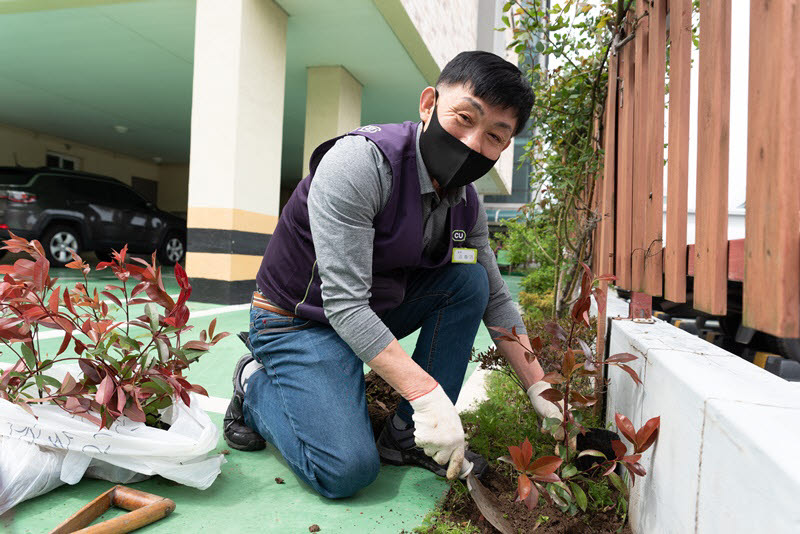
260	301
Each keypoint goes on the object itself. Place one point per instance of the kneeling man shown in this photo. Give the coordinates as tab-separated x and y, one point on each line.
385	236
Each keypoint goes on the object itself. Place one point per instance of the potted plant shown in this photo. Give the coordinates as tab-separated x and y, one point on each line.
119	367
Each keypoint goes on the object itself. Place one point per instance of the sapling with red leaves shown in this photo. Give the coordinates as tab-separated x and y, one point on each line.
560	486
132	366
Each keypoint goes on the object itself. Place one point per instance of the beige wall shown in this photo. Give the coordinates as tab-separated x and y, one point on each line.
28	149
447	26
173	188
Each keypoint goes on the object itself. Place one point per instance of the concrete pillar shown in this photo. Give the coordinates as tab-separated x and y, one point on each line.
333	107
237	125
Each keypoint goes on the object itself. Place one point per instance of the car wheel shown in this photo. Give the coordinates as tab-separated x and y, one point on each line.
59	242
172	250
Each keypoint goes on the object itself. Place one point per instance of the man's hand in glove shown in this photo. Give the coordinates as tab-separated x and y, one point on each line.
546	409
438	431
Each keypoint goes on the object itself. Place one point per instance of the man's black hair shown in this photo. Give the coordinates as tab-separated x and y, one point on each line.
492	79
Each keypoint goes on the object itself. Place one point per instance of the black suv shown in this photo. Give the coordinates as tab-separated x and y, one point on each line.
72	210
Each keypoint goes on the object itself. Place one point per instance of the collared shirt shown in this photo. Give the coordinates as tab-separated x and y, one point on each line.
351	186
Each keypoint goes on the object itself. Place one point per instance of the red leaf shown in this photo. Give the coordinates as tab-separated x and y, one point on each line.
626	427
568	362
619	448
552	477
581	400
505	334
637	468
545	465
211	328
53	303
647	435
196	388
631	372
185	397
553	378
533	499
105	390
197	345
517	457
134	413
610	469
40	269
622	357
138	288
553	395
68	302
600	298
632	459
556	330
524	486
112	297
527	452
537	344
120	399
64	343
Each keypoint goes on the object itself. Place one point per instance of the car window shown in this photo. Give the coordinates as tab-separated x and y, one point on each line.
86	190
55	186
14	177
123	197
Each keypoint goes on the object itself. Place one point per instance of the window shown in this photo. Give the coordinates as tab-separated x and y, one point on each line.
62	161
120	196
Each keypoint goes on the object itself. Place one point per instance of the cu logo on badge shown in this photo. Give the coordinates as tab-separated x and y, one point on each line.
369	129
459	235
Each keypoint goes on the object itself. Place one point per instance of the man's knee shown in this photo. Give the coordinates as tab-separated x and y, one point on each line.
348	473
474	282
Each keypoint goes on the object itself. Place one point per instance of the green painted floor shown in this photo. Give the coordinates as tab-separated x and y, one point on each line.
245	497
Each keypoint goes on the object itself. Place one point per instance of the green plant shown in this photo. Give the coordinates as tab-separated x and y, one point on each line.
558	478
131	366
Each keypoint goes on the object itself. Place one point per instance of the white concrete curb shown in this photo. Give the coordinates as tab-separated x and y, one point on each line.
726	459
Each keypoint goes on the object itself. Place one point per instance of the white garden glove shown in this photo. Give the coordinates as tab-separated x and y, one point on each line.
438	431
544	408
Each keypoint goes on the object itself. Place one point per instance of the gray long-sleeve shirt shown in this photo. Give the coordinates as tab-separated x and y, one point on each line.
351	186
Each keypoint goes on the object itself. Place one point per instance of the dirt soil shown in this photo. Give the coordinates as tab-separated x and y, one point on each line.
460	510
382	401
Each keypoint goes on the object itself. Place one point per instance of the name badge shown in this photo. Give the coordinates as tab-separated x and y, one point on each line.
465	255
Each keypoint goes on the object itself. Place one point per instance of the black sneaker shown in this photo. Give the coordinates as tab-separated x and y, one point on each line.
392	452
237	434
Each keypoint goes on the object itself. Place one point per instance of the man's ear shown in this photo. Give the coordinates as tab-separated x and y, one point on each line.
426	102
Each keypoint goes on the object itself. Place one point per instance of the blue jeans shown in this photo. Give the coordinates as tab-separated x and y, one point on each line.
309	399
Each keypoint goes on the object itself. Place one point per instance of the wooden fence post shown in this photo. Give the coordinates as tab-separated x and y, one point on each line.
678	149
654	201
713	125
772	243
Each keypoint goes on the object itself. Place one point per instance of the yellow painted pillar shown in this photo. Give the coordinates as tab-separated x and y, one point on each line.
333	107
237	125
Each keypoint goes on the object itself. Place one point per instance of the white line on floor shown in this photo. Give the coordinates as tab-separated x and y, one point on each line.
52	334
213	404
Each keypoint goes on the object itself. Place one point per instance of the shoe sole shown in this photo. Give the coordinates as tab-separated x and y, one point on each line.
246	448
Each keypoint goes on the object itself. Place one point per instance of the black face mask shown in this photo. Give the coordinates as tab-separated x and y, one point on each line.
452	163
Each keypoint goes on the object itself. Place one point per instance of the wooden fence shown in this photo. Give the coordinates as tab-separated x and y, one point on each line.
629	241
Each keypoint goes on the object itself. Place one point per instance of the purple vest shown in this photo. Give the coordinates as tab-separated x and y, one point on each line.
289	276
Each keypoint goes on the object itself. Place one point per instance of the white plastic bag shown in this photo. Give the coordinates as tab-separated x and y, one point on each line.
67	445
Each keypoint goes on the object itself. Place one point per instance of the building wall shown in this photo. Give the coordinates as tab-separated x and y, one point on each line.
173	188
28	148
447	26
